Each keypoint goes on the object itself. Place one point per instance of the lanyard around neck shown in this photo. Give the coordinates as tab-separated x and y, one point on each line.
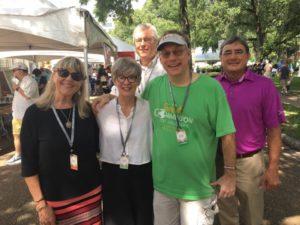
124	142
186	95
69	139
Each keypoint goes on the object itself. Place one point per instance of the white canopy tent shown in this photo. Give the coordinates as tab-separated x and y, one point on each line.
51	28
47	55
39	25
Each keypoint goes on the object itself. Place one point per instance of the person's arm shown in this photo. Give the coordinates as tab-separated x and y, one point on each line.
101	101
45	213
21	91
270	179
227	182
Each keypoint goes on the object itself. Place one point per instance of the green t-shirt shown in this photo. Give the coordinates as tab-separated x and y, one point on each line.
185	171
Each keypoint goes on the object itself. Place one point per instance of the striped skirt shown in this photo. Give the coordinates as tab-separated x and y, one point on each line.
82	210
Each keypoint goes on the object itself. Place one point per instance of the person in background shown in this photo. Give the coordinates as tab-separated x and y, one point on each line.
145	40
189	112
125	141
257	113
25	91
268	69
59	156
284	77
40	79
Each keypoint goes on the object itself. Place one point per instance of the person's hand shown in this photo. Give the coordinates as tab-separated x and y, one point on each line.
270	179
101	101
46	216
226	184
14	86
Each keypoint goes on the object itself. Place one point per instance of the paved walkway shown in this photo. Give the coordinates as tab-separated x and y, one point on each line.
282	206
291	99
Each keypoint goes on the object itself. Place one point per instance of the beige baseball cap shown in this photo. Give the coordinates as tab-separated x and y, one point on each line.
171	38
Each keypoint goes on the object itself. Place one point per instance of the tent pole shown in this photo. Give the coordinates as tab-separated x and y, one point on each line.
86	71
85	52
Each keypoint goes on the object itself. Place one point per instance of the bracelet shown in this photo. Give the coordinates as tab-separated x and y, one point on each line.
38	209
41	199
229	167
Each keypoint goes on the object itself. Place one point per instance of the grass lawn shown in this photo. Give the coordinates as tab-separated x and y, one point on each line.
292	113
292	126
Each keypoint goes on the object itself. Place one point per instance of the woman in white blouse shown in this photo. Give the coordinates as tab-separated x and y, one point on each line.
125	142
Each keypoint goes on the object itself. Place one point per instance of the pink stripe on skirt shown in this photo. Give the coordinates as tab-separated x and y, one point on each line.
82	210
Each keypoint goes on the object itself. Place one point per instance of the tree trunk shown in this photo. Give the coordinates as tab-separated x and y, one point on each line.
259	30
185	25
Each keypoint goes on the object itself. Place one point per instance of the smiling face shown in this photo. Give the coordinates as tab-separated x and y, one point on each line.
19	74
126	84
66	87
234	58
145	44
175	59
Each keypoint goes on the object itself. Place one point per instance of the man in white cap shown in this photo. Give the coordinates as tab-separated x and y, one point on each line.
25	90
189	112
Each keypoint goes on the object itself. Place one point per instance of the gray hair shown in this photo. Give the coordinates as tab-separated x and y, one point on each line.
126	66
145	26
46	100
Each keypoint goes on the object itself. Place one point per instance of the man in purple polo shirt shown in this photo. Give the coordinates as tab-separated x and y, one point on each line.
257	113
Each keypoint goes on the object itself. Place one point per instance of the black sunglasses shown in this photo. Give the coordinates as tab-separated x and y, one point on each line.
77	76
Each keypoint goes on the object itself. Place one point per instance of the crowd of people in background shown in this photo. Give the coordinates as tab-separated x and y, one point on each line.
100	80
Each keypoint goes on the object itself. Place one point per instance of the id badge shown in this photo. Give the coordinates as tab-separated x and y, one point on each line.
73	162
124	162
181	136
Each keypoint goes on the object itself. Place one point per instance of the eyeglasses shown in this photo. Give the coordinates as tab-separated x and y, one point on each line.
177	52
238	52
131	78
77	76
146	40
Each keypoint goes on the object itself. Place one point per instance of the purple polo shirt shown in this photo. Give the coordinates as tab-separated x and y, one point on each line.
255	106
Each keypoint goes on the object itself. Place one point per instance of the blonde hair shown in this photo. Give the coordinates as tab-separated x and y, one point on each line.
46	100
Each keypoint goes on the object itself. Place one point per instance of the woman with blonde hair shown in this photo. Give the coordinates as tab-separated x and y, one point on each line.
59	161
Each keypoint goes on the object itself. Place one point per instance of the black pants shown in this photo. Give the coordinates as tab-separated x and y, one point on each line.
127	195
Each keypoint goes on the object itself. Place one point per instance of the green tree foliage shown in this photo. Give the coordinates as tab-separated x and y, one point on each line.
164	16
270	26
121	9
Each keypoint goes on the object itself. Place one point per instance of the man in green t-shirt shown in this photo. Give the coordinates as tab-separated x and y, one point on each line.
190	112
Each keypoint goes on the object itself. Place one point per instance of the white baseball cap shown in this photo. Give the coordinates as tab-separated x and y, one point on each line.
171	38
19	66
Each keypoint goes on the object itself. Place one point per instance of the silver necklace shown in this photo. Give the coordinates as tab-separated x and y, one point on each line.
68	123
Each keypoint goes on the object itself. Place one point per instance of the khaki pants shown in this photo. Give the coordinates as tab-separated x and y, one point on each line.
247	206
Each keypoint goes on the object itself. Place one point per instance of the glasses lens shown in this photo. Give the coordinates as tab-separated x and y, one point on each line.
131	79
63	72
176	52
76	76
146	40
